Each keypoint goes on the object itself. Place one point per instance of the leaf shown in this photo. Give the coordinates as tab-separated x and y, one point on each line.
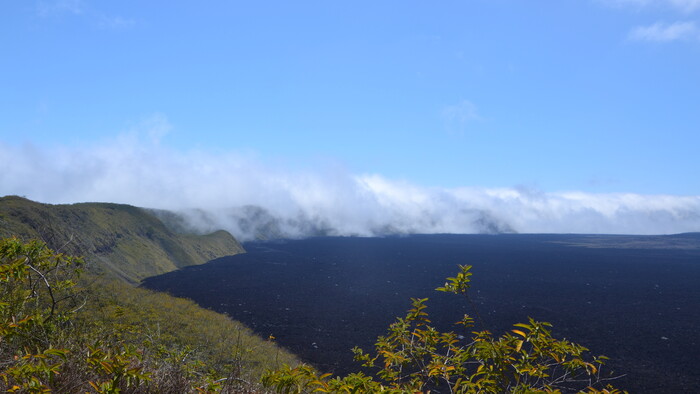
593	368
56	352
105	365
519	346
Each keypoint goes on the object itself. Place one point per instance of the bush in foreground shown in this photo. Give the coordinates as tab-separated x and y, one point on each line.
58	334
415	357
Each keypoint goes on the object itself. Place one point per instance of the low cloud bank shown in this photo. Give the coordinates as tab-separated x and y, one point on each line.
239	193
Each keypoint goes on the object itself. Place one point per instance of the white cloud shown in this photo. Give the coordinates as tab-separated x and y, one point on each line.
137	169
156	127
626	3
57	8
661	32
114	22
51	8
457	117
685	6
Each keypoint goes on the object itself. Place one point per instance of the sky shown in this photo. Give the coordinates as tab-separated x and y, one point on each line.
547	116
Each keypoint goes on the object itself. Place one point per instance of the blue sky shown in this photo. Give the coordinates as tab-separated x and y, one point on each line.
589	96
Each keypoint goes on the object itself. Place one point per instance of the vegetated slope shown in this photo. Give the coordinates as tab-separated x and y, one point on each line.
179	343
177	333
100	334
123	240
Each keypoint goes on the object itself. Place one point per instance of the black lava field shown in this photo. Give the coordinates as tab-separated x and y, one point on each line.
635	299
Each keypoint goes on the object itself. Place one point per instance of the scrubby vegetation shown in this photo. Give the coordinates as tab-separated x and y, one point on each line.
62	334
415	357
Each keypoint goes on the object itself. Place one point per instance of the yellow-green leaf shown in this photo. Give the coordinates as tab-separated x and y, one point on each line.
520	333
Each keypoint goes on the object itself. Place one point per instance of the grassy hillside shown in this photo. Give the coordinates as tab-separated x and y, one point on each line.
122	240
98	332
179	340
65	333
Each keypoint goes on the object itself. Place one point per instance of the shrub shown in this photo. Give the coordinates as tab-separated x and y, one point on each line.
36	301
416	357
105	336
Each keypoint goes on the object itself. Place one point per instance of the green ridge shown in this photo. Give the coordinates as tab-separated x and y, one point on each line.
172	344
128	242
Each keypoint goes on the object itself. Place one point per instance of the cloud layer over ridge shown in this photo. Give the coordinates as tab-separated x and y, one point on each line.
239	193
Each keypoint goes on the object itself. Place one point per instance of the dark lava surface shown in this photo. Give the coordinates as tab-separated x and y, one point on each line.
635	299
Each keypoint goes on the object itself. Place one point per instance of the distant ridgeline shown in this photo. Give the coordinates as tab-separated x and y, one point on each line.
256	223
129	242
